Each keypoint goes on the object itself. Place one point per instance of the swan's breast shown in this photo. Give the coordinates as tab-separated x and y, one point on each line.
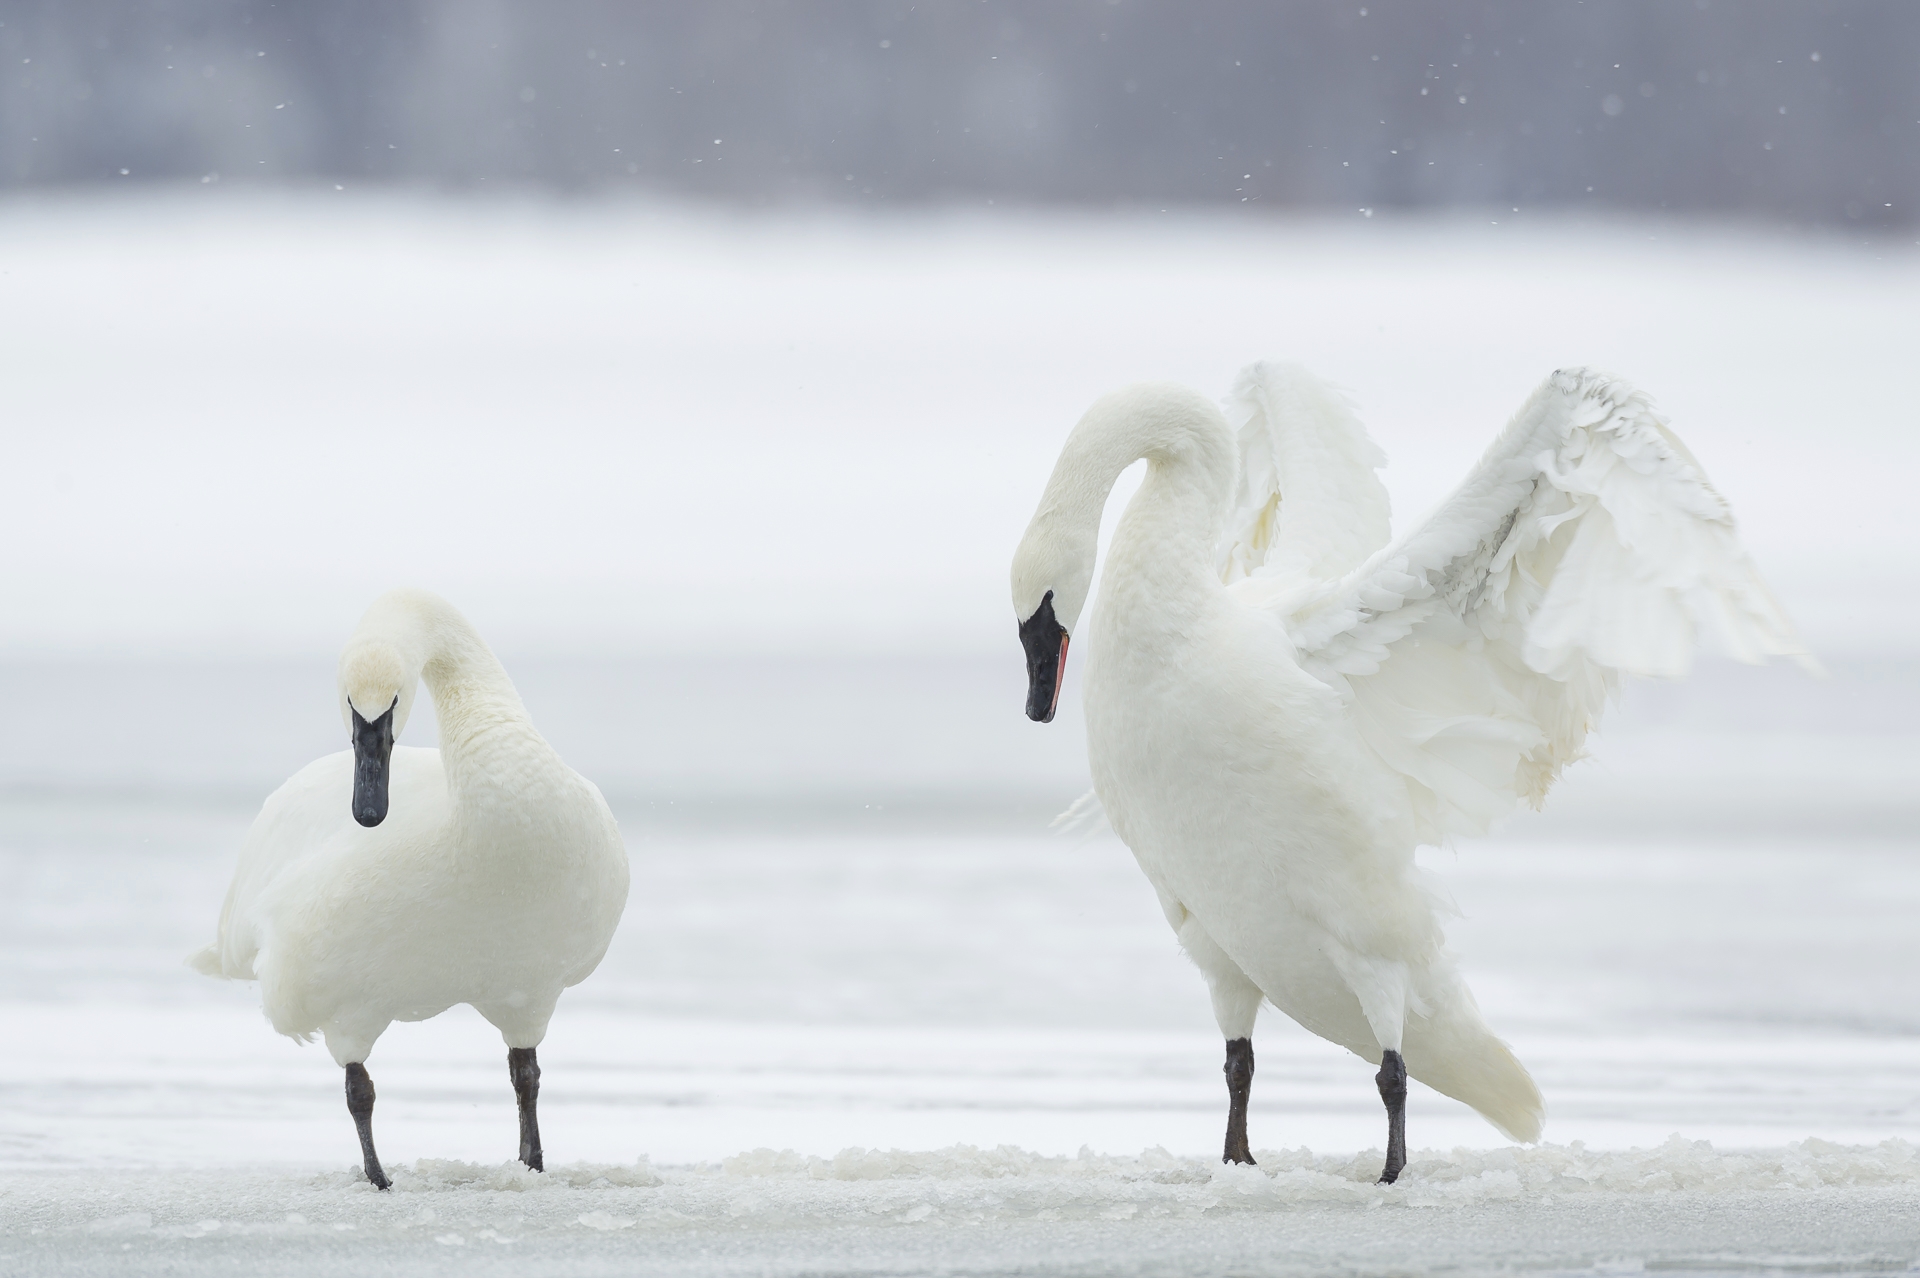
433	906
1239	780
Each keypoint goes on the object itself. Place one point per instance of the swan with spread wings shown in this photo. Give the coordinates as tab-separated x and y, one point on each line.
1281	705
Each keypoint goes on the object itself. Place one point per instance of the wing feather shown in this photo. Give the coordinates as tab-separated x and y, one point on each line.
1309	505
1480	649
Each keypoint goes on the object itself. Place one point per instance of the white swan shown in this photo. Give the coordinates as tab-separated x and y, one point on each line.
370	891
1280	706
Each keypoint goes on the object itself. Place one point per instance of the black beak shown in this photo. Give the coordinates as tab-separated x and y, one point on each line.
1045	640
372	748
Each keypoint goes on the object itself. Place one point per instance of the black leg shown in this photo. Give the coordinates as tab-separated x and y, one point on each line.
1392	1081
525	1072
1239	1071
360	1105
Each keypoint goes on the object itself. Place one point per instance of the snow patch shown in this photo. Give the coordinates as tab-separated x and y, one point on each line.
435	1175
1680	1205
1020	1183
780	1187
766	1188
762	1196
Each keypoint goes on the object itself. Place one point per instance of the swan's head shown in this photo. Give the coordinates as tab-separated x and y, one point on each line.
1052	573
377	685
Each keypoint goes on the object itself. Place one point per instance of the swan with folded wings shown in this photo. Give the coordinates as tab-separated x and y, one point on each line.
385	883
1281	706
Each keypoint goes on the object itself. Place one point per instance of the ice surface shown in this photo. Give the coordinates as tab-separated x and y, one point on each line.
1680	1204
918	989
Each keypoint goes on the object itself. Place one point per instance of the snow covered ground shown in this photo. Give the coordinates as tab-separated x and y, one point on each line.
1809	1209
865	1014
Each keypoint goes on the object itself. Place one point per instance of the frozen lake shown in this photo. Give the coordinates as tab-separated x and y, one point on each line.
917	990
1710	937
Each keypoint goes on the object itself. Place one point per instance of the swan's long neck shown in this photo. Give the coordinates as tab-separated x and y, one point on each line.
489	748
1161	560
1162	550
487	740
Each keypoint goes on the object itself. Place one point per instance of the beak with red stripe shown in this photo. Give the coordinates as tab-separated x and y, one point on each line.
1045	640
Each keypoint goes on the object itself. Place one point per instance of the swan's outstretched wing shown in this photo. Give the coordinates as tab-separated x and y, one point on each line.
1480	649
1309	506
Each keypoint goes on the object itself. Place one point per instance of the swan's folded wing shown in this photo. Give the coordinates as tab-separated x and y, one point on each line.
305	837
1480	649
1309	506
289	829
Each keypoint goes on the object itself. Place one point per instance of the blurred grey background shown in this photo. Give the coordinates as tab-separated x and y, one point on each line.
1807	113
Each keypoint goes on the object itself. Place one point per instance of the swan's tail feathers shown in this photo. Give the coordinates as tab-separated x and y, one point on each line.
1451	1050
207	962
214	961
1494	1082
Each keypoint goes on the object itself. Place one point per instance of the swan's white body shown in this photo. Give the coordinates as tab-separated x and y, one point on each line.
497	878
1280	707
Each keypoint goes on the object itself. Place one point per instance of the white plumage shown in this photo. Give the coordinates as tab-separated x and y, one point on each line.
496	878
1281	706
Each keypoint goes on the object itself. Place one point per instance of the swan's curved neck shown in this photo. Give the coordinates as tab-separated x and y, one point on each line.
477	705
1165	539
1163	543
486	735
